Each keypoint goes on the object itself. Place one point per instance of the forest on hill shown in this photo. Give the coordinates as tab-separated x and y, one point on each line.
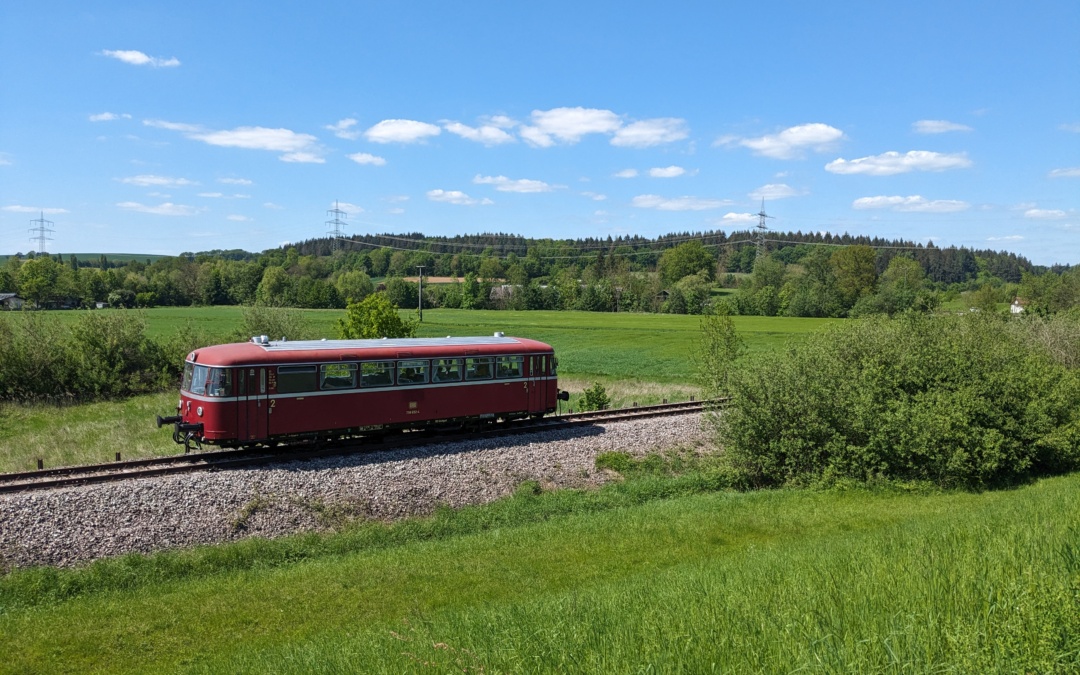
790	274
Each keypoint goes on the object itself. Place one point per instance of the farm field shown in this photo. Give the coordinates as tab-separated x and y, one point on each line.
658	574
640	358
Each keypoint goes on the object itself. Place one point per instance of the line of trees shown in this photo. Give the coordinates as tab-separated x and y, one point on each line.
807	275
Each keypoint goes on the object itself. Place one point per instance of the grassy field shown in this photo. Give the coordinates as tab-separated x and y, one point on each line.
647	347
654	574
639	358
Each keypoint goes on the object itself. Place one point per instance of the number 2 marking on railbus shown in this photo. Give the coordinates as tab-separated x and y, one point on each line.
273	402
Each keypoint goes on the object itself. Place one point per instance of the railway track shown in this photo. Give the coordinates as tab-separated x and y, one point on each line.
47	479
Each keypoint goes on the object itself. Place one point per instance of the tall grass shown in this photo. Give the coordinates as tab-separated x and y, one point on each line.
650	574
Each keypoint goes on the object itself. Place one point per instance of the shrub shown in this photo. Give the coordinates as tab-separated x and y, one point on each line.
101	355
957	401
595	398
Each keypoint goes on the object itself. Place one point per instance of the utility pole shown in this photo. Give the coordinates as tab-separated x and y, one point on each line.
420	293
41	232
761	229
335	225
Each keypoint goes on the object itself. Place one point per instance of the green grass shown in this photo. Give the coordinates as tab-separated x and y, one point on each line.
646	347
647	575
84	434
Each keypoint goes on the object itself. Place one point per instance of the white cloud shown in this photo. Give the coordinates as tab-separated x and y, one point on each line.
235	181
401	131
365	158
348	207
568	125
646	133
1074	128
627	173
164	209
5	159
397	199
504	184
1011	237
791	143
211	195
108	117
1045	214
273	206
147	180
344	129
173	126
595	196
738	218
15	208
238	218
938	127
891	163
775	191
667	172
303	158
137	58
1073	172
488	134
677	203
912	204
295	147
397	211
455	197
258	138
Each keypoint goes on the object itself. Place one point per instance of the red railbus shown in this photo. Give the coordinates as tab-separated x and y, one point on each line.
265	391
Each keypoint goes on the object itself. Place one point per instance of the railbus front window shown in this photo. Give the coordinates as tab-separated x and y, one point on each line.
199	375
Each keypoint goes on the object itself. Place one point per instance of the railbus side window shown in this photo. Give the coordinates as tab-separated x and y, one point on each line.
296	379
219	382
507	367
376	373
478	368
412	372
338	375
189	368
446	370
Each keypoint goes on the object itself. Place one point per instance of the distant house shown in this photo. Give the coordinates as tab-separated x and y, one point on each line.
1017	306
11	301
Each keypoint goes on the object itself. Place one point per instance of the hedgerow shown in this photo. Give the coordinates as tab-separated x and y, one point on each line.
962	401
99	356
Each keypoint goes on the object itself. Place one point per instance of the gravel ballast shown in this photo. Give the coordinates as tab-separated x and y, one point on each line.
71	526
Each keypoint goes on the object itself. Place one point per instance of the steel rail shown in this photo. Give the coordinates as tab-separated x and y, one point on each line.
47	479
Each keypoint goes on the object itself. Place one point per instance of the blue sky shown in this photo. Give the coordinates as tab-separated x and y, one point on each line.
161	128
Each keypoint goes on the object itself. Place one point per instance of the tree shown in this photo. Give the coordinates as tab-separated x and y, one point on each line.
856	275
900	284
372	318
355	286
685	259
715	353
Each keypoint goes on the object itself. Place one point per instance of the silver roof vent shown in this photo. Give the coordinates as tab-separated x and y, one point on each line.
499	333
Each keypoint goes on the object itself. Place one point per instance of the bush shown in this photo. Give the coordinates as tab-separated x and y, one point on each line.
967	401
101	355
595	398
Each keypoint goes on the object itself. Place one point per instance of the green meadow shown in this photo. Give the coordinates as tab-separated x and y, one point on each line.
658	573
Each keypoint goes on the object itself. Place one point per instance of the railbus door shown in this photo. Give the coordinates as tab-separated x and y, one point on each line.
537	383
252	404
